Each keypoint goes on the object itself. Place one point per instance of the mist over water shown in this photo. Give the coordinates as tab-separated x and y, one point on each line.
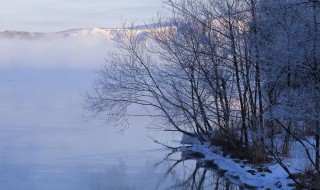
45	142
85	52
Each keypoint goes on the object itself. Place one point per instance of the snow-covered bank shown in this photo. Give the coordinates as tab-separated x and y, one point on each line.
239	172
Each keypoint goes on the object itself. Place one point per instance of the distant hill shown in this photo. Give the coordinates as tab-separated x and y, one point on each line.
106	33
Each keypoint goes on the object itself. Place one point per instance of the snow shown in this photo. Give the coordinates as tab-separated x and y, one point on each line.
103	33
237	172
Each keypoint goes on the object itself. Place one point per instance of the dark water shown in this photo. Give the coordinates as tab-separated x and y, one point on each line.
191	174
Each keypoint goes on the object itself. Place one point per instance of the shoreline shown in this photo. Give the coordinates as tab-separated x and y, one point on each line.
239	172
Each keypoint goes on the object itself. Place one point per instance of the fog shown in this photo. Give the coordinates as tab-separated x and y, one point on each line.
42	84
45	142
87	52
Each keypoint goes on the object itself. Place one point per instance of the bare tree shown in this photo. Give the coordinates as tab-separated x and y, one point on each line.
238	73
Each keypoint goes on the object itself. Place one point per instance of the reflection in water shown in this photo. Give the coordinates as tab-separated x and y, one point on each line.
45	145
34	161
192	174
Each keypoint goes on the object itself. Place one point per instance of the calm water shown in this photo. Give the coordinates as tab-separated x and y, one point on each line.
46	144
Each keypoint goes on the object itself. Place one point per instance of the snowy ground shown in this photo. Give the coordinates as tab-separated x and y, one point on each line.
269	176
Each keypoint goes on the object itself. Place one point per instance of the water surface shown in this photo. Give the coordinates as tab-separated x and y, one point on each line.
47	144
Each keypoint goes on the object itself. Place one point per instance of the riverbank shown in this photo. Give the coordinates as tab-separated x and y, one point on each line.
239	172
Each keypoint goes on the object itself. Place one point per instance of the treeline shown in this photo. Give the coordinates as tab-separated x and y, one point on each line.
244	74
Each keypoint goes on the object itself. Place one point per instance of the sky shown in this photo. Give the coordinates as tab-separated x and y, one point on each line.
58	15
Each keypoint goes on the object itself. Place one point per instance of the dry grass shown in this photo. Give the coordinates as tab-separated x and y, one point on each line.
309	179
255	154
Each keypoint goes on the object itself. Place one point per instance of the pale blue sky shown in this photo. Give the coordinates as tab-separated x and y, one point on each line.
57	15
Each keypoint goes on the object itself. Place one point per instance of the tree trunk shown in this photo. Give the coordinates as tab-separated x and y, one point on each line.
317	137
